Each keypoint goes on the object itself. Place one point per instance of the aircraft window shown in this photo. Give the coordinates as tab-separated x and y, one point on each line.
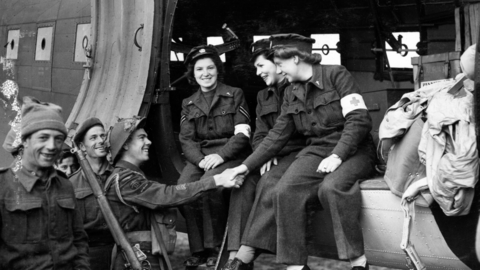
44	44
82	39
216	41
176	56
255	38
12	45
395	59
329	54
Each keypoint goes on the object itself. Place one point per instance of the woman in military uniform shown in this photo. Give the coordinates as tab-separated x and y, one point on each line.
324	104
214	134
251	219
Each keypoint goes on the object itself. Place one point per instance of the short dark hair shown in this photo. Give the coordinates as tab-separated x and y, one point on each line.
216	60
66	154
286	52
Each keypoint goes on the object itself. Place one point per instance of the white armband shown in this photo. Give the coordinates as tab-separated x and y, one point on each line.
352	102
242	128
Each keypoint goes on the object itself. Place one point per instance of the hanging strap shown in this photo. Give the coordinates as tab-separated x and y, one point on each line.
113	180
163	248
412	257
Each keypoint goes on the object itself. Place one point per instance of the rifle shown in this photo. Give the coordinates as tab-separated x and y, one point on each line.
112	222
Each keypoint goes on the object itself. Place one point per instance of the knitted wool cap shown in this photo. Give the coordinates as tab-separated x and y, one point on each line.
293	40
37	115
121	131
85	127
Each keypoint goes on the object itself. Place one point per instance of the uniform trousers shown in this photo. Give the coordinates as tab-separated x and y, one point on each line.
100	256
206	218
302	185
252	210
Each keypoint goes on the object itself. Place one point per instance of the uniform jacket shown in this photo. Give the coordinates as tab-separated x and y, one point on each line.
143	195
93	221
41	227
314	110
269	106
206	130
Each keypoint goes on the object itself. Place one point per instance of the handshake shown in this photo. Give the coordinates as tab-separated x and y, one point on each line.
231	177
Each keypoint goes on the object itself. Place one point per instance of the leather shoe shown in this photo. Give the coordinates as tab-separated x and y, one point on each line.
237	264
361	267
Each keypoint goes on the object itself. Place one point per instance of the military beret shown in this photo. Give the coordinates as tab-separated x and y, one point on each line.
199	51
121	131
84	127
259	47
293	40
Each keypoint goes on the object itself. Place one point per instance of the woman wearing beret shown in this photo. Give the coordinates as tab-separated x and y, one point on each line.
324	104
214	134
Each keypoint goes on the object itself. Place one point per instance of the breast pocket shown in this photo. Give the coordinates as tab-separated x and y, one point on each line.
23	222
297	112
91	211
268	109
224	118
328	109
65	212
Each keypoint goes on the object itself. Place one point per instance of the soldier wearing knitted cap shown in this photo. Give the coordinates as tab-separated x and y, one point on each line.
259	230
324	104
90	138
214	135
133	198
39	219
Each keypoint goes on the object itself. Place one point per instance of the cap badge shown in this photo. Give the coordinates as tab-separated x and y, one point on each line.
228	93
190	102
317	82
201	51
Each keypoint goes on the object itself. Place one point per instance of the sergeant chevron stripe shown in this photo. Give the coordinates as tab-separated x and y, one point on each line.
183	118
244	112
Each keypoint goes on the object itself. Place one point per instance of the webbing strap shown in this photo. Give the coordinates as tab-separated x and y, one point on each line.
412	257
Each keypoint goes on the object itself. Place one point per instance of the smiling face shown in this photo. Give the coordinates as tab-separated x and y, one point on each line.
288	68
267	70
41	149
136	149
93	143
206	74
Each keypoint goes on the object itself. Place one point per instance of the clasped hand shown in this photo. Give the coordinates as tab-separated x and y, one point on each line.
230	178
329	164
210	162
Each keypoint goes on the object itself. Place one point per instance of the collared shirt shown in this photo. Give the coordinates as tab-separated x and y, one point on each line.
145	195
93	221
210	129
41	227
269	105
314	109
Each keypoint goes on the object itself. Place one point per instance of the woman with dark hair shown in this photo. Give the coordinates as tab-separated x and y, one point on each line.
214	134
324	104
251	219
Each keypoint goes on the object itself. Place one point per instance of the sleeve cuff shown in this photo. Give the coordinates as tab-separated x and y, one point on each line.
342	150
209	184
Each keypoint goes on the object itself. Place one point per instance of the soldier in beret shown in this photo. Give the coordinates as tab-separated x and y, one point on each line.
214	135
90	138
259	232
40	223
325	105
133	197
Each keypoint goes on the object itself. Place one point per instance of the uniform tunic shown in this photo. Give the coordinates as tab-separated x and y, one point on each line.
206	130
100	239
251	211
328	112
41	226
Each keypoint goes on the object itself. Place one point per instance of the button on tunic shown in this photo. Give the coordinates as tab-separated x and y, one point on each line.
41	227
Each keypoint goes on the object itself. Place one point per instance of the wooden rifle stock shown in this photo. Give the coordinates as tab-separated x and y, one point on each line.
112	222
